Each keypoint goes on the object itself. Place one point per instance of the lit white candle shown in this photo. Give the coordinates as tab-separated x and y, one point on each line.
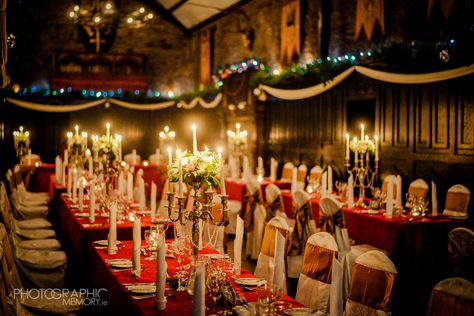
237	129
180	174
170	160
361	131
221	160
347	146
77	130
376	148
193	126
356	153
107	126
118	137
89	162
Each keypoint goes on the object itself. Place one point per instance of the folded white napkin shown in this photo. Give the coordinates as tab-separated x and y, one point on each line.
434	199
389	199
130	186
246	169
92	202
134	157
58	164
153	199
273	169
81	195
350	191
161	267
239	237
199	303
141	193
279	272
260	168
324	183
112	238
329	180
137	240
398	201
66	157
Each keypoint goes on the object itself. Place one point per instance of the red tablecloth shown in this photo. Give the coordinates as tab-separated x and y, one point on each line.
120	301
418	248
39	176
76	234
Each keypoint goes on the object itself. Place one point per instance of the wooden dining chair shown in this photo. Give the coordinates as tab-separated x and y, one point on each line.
320	280
457	200
452	297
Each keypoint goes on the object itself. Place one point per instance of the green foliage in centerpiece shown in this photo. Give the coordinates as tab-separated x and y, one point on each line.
362	146
107	148
203	168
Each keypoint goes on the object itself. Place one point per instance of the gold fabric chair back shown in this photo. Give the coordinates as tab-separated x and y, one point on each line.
453	296
418	188
457	200
315	173
302	171
276	224
287	172
372	282
461	252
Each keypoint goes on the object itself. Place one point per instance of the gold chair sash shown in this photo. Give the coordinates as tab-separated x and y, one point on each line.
328	223
269	236
442	303
298	238
301	175
273	208
287	173
372	287
317	263
418	192
251	201
457	201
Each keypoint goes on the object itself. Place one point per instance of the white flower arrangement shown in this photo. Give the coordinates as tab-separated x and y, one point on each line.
203	167
362	146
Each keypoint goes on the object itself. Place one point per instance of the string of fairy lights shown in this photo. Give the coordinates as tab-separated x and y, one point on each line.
326	68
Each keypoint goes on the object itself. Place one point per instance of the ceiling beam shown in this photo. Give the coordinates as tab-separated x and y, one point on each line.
216	17
177	5
166	15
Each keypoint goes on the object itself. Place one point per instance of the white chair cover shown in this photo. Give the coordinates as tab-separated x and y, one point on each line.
303	227
315	173
272	196
457	200
128	158
320	281
461	252
287	172
254	219
266	267
418	188
453	296
371	271
234	206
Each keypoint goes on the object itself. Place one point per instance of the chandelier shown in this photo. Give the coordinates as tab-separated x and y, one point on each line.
97	17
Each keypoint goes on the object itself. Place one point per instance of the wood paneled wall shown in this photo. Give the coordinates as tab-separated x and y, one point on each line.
426	131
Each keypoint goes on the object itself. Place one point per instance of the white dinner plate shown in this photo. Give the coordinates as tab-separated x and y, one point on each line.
216	255
372	212
142	288
82	215
300	311
250	281
135	205
104	242
121	264
74	206
458	217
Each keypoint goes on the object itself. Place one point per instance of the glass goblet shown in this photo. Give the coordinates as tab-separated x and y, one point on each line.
150	239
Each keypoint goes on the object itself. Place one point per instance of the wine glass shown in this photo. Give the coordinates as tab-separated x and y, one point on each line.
150	239
178	252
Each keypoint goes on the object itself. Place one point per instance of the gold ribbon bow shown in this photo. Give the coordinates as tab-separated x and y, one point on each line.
328	223
251	201
298	238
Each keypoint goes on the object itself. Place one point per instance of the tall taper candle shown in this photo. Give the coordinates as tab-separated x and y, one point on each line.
221	160
376	148
347	146
195	150
107	126
361	131
180	174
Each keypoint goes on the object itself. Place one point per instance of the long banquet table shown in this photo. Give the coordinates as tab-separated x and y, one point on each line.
76	234
418	248
120	301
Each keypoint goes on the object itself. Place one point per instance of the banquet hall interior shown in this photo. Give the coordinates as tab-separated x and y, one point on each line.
236	157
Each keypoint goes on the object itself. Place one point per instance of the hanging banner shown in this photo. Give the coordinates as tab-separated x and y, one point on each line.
368	13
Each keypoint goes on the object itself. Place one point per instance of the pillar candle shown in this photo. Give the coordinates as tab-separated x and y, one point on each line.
180	175
194	139
347	146
376	148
